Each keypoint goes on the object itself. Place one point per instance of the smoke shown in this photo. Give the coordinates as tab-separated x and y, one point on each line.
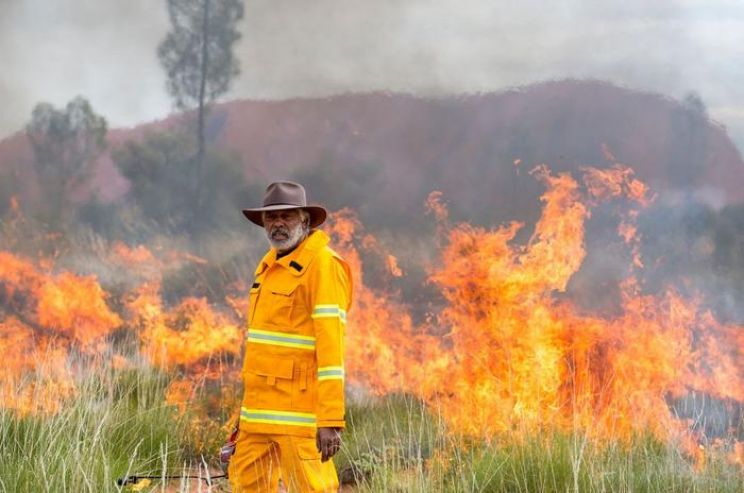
54	50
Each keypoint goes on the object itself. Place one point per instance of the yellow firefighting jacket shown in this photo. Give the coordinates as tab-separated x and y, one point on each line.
293	370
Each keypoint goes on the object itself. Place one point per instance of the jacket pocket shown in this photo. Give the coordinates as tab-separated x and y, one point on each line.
304	389
268	382
280	306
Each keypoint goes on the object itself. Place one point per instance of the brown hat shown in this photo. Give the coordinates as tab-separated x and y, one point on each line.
283	195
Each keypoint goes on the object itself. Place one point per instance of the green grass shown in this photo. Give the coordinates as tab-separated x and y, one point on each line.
560	463
396	445
119	424
386	440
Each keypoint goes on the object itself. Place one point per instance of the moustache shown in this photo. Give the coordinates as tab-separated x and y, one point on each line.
279	230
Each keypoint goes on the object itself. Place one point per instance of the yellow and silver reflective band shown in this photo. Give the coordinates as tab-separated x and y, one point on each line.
329	311
261	336
272	417
331	373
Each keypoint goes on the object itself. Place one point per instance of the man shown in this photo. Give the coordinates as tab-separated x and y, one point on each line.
292	412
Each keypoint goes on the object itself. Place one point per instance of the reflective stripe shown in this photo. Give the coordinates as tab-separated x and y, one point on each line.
272	417
260	336
331	373
329	311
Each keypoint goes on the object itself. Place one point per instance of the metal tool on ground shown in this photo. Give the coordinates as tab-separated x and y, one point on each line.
126	480
226	452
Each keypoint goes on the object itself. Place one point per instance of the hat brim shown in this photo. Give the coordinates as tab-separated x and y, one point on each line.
317	213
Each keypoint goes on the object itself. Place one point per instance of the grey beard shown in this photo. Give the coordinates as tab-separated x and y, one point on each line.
295	237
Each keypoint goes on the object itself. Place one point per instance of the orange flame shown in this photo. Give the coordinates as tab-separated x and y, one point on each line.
36	378
737	454
516	356
506	351
49	315
185	335
76	306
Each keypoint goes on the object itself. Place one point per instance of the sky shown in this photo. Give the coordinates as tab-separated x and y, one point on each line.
54	50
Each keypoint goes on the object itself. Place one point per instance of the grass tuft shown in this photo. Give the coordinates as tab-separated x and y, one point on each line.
119	424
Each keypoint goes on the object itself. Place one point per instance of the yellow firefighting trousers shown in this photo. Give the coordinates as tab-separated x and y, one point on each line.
260	459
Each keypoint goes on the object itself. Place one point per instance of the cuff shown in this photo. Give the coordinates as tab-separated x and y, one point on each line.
331	423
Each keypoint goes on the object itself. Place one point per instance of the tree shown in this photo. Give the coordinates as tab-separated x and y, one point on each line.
160	190
158	185
66	144
198	58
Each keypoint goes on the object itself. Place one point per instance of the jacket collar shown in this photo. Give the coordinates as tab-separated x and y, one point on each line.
296	261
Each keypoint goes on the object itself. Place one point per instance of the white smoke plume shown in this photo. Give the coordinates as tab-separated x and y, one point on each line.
52	50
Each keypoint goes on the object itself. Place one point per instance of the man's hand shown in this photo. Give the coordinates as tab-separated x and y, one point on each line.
328	441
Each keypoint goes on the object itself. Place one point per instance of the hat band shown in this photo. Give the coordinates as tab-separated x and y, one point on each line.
283	203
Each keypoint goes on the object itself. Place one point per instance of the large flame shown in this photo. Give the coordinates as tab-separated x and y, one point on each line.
517	355
507	350
44	317
55	323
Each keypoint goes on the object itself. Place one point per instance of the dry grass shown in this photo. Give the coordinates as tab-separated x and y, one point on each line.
118	424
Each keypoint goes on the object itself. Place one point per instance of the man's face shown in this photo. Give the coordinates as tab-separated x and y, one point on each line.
285	229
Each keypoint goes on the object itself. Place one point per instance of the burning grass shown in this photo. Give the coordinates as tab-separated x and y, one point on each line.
400	444
115	423
561	462
118	423
509	352
517	388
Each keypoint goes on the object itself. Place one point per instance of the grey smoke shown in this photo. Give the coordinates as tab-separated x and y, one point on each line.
55	49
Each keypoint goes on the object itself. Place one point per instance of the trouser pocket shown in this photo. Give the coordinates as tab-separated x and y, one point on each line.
306	473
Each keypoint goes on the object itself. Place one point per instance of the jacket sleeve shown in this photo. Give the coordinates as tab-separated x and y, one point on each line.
330	298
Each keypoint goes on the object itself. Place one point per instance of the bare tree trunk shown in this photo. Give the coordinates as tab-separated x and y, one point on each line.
202	106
